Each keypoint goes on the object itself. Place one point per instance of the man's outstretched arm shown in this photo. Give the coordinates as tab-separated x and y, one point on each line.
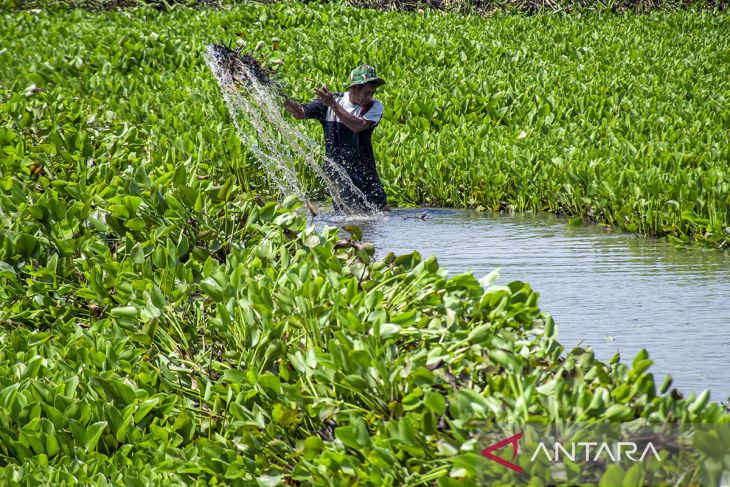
295	109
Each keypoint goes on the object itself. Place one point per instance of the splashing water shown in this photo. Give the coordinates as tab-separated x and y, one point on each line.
276	143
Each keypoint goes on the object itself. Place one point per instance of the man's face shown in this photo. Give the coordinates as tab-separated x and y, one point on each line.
362	94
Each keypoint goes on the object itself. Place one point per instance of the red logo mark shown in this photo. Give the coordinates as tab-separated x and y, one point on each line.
487	452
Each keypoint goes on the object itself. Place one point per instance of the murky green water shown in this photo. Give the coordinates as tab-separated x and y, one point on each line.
610	290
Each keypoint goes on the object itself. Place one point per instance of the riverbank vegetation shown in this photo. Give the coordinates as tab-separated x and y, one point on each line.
163	321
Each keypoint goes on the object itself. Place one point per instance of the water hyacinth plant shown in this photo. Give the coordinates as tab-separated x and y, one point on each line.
164	320
566	114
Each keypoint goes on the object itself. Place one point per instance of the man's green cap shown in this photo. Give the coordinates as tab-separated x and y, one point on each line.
364	74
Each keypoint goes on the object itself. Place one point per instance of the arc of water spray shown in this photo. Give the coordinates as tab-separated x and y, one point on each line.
275	161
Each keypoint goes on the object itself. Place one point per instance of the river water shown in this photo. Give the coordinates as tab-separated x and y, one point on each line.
612	291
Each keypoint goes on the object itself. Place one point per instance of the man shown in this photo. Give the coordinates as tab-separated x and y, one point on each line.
348	120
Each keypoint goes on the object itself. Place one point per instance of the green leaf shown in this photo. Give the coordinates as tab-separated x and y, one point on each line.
618	412
137	254
144	408
269	480
350	437
699	404
270	381
7	271
234	376
125	312
634	476
212	288
480	333
355	435
235	471
135	224
58	419
612	477
388	330
354	231
357	382
52	446
26	244
285	416
93	433
435	402
313	446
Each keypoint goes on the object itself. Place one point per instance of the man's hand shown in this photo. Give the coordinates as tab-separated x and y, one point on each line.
325	96
295	109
